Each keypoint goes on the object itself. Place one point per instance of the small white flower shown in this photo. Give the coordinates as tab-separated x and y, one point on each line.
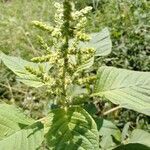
57	5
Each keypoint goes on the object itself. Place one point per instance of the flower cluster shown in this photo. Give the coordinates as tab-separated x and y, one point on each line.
78	14
65	55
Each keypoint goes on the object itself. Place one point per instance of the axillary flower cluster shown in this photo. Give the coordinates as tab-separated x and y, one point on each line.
65	56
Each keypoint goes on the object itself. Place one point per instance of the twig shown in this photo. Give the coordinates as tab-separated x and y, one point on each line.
111	110
12	88
29	41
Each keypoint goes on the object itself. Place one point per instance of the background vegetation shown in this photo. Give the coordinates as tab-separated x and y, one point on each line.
128	22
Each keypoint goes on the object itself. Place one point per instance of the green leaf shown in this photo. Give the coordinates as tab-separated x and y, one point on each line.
17	65
109	133
72	128
77	95
100	41
17	131
86	65
102	44
75	90
141	137
11	120
134	146
139	140
90	107
129	89
125	131
29	138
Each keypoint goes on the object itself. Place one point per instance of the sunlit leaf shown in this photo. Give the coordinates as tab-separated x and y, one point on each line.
100	41
18	131
139	140
17	65
129	89
141	137
109	134
86	65
12	119
72	128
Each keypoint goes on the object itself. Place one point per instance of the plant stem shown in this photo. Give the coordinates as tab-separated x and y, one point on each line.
111	110
66	35
65	68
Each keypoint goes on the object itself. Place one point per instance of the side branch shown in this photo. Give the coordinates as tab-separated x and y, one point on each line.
111	110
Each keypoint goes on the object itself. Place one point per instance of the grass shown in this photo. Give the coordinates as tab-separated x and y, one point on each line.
17	34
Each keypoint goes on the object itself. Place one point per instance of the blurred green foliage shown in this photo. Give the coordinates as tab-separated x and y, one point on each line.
15	25
129	23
